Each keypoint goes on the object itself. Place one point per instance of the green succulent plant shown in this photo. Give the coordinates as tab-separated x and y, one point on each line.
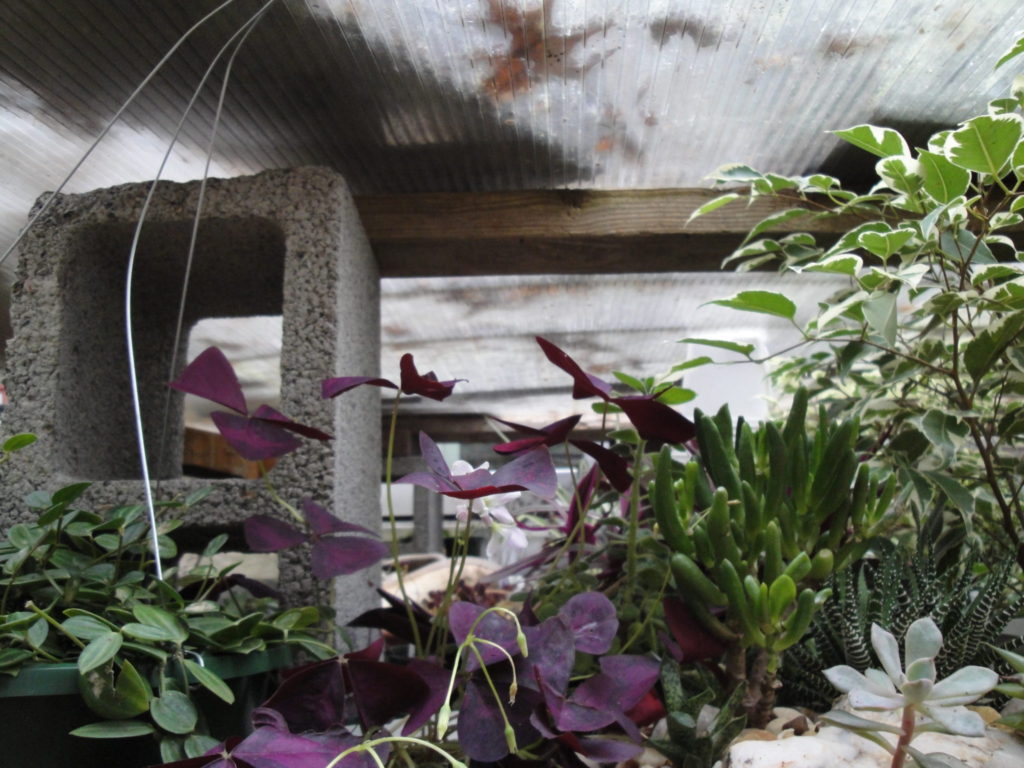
915	689
757	521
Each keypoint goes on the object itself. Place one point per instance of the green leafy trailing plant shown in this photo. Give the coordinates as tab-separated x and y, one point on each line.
923	346
915	691
77	586
756	522
971	609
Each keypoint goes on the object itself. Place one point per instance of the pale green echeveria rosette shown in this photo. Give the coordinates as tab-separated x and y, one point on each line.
940	701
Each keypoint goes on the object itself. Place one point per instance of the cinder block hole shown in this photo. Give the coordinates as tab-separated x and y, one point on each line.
253	344
238	270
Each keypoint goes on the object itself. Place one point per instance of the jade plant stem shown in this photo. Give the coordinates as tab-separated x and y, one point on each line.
907	724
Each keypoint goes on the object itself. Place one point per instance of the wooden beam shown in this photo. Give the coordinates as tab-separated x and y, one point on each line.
561	231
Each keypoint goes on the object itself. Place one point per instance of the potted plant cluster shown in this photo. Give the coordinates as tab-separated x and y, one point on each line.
697	573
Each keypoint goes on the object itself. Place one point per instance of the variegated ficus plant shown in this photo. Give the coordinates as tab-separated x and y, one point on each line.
914	690
923	343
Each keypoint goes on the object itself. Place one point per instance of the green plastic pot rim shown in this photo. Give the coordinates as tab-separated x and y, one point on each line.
62	679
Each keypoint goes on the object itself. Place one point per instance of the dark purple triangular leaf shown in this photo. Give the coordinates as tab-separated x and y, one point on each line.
336	386
552	434
311	697
383	692
604	750
551	654
433	457
427	384
533	471
583	384
482	735
655	421
321	521
341	555
435	677
254	440
615	467
269	415
432	482
268	534
211	377
475	480
591	617
693	640
634	676
271	748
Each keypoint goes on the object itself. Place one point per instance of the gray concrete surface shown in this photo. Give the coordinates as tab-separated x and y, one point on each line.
280	242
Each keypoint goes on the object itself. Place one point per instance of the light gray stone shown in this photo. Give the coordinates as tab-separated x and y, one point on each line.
281	242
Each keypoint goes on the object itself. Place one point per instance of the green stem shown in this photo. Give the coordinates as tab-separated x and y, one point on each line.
369	745
53	623
265	476
634	517
388	465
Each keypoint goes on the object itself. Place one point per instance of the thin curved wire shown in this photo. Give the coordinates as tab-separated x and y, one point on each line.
117	116
133	252
190	258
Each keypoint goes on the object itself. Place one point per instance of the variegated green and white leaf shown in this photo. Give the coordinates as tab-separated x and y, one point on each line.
984	144
878	141
901	173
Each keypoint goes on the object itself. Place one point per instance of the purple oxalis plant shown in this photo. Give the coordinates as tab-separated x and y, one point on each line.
412	382
333	553
263	434
654	421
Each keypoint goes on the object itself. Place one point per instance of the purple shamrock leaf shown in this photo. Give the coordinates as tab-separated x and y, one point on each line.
263	434
264	533
532	471
553	434
311	697
654	421
694	642
482	736
493	627
615	468
552	652
584	384
332	555
383	691
436	679
412	382
271	748
602	750
591	617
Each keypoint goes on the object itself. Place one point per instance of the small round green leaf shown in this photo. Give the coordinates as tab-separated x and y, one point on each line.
174	711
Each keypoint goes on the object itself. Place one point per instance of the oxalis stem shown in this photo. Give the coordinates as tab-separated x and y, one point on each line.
367	746
388	464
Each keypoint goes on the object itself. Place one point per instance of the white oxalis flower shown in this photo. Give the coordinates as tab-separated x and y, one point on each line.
942	701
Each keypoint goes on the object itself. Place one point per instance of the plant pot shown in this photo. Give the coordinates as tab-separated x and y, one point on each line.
42	705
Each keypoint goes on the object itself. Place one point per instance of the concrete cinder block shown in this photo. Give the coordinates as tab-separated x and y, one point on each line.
280	242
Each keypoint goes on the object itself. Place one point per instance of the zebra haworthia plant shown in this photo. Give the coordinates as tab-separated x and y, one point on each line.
915	690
